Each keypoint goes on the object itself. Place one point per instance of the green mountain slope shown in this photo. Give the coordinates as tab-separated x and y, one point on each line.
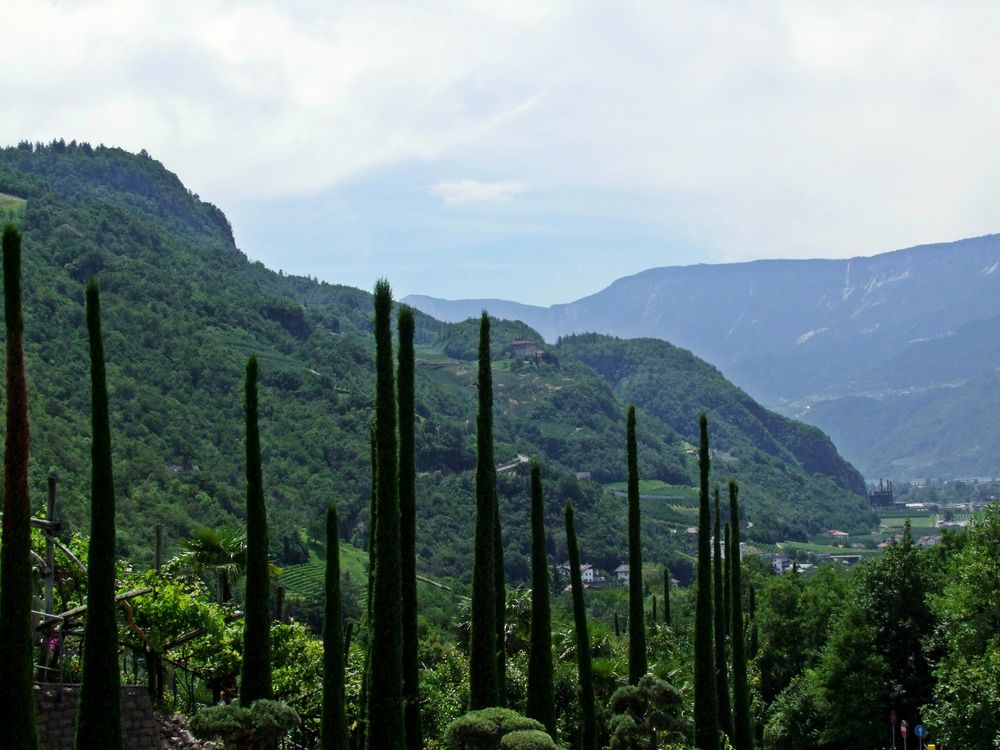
183	308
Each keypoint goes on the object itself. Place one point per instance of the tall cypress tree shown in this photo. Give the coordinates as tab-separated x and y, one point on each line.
588	709
727	570
721	662
752	617
98	723
541	693
637	664
386	727
742	729
255	679
706	704
333	728
17	699
666	595
408	529
483	686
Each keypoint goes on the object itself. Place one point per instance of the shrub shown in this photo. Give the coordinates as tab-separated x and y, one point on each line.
484	729
527	739
253	728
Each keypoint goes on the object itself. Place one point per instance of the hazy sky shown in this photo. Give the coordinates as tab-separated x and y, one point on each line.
532	150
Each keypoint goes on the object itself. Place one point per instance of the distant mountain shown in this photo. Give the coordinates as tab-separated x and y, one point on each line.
183	308
857	347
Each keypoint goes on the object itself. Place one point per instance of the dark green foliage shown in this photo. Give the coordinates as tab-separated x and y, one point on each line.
541	699
17	701
484	729
483	681
637	663
98	724
727	586
706	704
666	595
588	710
527	739
255	675
742	730
386	728
652	614
721	662
256	727
334	722
408	530
752	617
646	715
500	591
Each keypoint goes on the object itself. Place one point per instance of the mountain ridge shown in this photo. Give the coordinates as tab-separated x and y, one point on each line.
802	333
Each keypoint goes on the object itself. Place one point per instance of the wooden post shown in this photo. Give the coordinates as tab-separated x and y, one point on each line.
158	560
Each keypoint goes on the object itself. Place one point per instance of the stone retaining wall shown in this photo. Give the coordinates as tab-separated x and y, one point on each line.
55	715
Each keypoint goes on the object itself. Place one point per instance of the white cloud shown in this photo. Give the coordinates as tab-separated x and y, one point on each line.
786	128
476	191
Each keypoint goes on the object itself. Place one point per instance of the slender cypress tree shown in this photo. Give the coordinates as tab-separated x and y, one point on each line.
652	616
98	723
588	709
742	729
618	631
637	664
17	699
408	530
666	595
727	588
500	590
541	693
483	686
721	662
333	728
706	703
255	679
386	727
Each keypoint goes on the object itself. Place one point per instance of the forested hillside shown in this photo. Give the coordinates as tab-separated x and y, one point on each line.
183	309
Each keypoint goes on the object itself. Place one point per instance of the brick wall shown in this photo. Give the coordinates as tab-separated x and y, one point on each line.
55	715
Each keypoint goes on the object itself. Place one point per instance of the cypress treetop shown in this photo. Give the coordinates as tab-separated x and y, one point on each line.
255	678
98	722
333	728
637	662
742	727
408	528
721	671
588	709
541	695
386	726
706	704
483	679
17	700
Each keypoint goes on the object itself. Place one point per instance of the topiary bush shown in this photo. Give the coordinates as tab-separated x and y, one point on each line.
527	739
485	729
253	728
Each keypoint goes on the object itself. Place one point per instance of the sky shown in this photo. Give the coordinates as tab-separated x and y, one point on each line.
533	151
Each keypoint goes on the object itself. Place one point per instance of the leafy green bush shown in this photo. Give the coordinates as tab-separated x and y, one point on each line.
253	728
484	729
527	739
